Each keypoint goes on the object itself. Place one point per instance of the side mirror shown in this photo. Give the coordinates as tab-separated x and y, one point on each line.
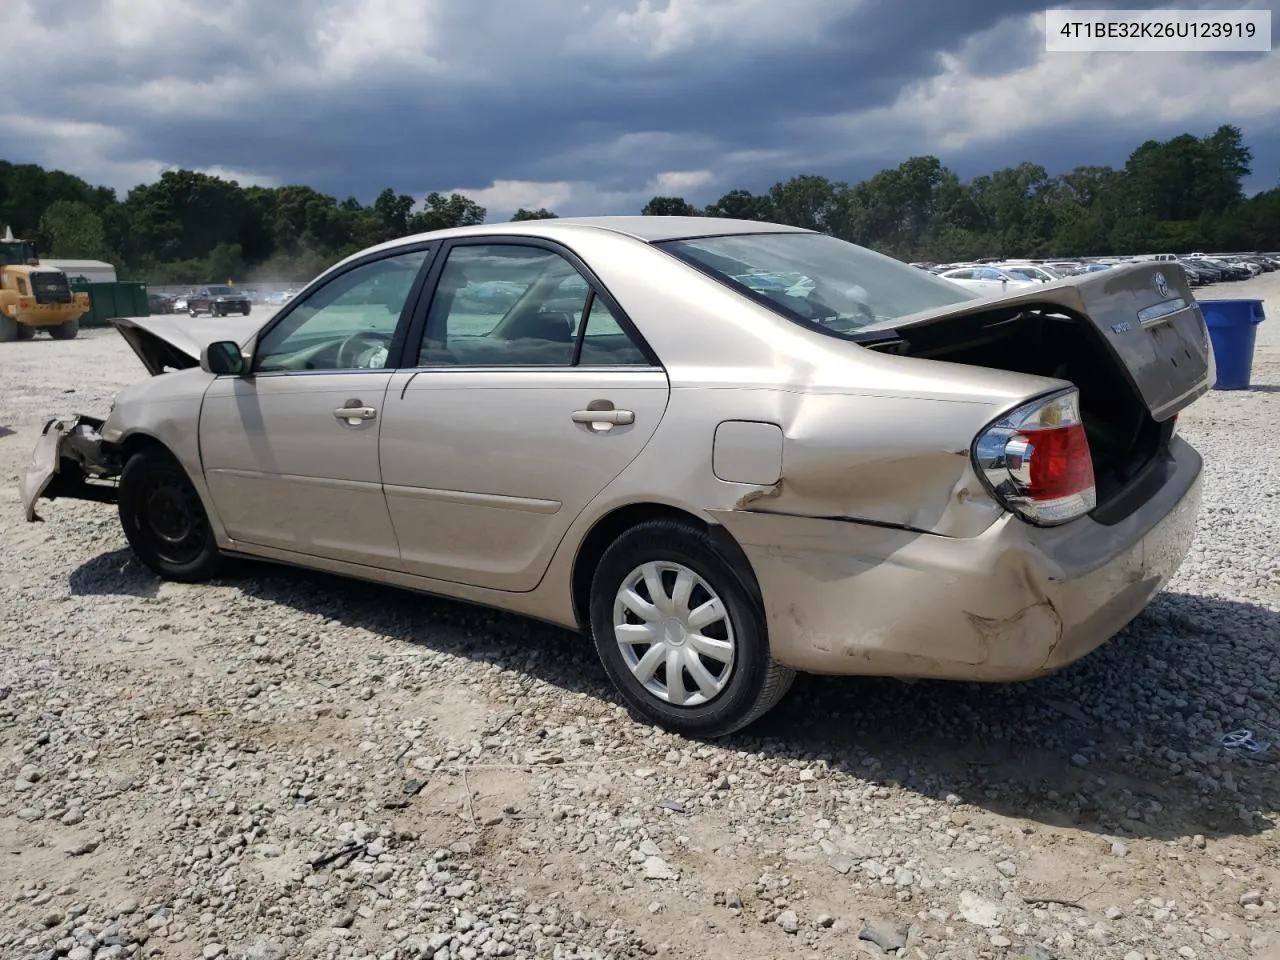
223	359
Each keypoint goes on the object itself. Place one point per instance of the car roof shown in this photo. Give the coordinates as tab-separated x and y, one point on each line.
645	229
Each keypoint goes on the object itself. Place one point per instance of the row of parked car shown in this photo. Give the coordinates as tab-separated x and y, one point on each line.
217	300
992	275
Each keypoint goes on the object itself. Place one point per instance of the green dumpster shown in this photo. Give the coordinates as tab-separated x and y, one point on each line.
124	298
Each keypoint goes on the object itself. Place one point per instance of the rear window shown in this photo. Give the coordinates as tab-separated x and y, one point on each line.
832	285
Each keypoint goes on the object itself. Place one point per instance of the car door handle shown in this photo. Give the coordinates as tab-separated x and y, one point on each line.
610	417
355	414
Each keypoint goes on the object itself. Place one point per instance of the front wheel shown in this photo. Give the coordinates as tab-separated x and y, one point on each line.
66	330
164	520
679	633
9	328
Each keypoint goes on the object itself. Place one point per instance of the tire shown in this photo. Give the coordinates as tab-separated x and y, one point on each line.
164	520
8	329
66	330
25	333
191	310
740	682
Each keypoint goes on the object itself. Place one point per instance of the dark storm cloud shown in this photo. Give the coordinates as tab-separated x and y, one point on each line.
539	91
542	120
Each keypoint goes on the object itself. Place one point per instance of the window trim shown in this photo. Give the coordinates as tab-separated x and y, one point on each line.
417	327
408	312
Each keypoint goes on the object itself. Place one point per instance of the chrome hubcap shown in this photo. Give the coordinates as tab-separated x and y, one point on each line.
674	634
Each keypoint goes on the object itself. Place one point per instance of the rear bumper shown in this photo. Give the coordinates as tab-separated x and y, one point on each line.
1013	603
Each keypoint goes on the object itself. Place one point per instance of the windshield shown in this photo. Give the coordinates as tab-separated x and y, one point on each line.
15	253
220	291
833	285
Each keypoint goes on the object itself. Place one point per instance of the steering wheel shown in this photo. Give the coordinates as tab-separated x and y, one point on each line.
374	344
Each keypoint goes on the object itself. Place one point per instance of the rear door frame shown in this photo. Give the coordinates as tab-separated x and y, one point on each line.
411	347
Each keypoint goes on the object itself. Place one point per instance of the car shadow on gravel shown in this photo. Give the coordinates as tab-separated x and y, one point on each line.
1126	742
117	573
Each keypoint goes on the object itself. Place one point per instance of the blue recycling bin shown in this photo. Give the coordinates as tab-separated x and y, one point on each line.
1233	328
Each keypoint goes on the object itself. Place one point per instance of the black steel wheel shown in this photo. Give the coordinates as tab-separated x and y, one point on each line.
164	519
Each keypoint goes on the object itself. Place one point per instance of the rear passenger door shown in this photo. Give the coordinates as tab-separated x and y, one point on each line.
531	392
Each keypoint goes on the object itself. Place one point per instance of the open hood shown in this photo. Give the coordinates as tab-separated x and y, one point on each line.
174	343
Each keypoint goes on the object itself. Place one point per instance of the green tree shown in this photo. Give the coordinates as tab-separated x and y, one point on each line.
808	201
742	205
542	213
669	207
441	213
70	228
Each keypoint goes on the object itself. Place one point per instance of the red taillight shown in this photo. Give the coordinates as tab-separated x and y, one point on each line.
1036	460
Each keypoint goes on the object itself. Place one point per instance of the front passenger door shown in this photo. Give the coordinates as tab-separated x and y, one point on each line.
291	451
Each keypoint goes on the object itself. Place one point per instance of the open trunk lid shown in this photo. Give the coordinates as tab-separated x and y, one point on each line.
174	343
1145	314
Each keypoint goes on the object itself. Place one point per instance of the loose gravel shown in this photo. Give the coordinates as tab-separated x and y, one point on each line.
289	765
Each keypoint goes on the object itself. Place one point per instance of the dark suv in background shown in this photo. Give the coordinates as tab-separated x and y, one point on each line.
218	301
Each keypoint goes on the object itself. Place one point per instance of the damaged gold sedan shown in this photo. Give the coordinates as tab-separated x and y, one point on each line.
729	450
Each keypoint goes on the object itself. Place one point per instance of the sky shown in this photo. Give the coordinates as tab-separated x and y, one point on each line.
592	106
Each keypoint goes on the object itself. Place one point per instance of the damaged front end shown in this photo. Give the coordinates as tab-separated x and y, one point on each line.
70	460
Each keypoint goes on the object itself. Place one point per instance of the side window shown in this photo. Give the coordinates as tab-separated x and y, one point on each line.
348	323
960	274
504	304
605	343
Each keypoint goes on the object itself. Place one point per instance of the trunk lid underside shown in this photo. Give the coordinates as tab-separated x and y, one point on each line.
1145	315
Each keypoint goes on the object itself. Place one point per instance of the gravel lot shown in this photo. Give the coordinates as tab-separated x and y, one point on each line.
286	764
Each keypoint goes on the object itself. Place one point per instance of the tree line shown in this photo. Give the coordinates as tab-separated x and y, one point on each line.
1176	195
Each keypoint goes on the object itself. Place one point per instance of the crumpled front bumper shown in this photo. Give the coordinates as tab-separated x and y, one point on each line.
69	460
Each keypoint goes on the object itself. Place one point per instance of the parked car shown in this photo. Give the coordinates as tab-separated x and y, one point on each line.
876	472
160	303
1214	272
986	279
218	301
1030	271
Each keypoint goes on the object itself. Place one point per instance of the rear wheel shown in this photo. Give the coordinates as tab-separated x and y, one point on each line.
66	330
8	329
680	634
25	332
164	520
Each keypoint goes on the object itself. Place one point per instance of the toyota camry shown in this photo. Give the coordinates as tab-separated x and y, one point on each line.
726	450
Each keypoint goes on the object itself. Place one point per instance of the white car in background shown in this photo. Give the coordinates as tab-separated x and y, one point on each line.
986	280
1031	271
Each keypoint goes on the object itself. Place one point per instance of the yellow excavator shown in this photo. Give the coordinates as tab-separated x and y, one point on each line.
34	297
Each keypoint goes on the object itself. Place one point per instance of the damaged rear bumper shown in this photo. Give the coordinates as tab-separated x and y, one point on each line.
70	460
1013	603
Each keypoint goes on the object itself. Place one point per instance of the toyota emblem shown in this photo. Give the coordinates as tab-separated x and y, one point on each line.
1162	285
